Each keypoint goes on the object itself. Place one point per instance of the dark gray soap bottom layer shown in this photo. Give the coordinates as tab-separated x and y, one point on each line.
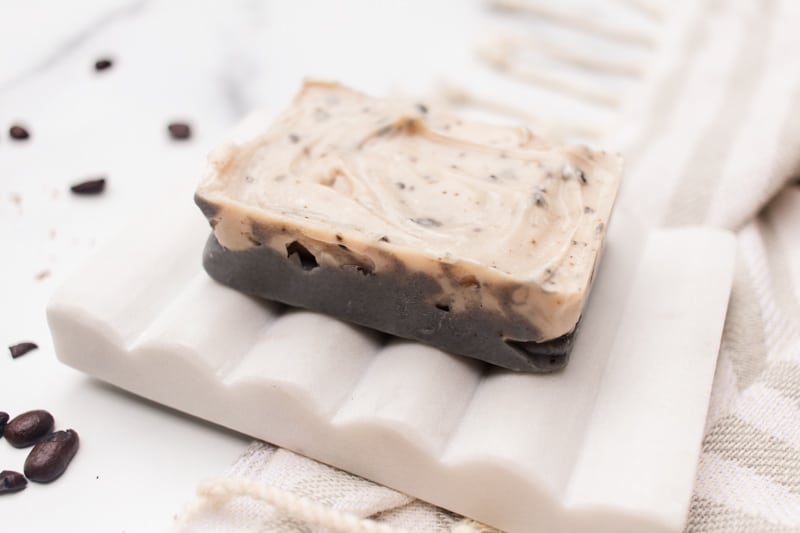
396	302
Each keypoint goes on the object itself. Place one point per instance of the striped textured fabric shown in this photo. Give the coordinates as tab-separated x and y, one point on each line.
711	136
718	143
749	472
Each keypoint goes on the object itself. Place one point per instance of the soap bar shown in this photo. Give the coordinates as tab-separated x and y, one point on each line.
481	240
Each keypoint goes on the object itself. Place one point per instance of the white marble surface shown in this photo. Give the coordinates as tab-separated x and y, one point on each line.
204	62
138	463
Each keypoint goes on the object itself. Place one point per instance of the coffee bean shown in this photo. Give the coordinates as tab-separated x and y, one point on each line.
29	428
3	421
179	131
51	455
18	350
95	186
103	64
18	133
11	481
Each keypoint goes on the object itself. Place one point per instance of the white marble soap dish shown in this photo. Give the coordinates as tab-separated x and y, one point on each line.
609	444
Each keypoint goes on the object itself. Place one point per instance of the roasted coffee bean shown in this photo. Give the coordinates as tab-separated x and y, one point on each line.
11	481
103	64
51	455
18	133
95	186
179	130
20	349
3	422
29	428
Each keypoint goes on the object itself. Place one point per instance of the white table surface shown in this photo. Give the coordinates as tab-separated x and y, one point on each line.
203	62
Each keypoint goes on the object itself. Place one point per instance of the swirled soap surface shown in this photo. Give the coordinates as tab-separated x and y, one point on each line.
403	179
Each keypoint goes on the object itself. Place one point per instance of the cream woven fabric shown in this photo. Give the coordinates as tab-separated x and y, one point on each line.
711	137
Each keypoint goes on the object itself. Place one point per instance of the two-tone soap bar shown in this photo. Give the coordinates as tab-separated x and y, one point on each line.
478	239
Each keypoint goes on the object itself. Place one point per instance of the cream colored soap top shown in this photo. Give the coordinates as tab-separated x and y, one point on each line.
421	182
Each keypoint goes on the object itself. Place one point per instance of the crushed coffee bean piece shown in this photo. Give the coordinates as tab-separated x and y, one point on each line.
95	186
179	131
3	422
20	349
18	133
29	428
11	481
50	456
103	64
